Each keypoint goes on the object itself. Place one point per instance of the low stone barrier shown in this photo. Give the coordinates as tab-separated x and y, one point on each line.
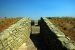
54	38
17	35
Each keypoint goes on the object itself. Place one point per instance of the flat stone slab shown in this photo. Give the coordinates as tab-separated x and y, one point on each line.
35	29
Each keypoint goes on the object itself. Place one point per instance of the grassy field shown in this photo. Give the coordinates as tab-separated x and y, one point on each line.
66	25
6	22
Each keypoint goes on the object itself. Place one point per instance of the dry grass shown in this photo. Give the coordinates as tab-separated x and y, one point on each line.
6	22
66	25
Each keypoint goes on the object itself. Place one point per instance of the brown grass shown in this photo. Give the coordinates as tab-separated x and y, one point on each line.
66	25
6	22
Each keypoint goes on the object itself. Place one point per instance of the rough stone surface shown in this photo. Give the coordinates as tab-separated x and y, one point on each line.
17	35
61	36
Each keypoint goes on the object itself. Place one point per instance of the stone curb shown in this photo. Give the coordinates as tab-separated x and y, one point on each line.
67	42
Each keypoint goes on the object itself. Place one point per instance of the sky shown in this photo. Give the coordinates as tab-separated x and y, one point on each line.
36	8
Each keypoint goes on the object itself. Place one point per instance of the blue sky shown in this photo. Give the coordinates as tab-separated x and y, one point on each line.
37	8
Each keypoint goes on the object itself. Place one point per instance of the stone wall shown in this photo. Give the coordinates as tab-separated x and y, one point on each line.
17	35
54	38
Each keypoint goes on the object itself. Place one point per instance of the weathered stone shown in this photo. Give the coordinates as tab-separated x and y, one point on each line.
16	35
1	46
61	36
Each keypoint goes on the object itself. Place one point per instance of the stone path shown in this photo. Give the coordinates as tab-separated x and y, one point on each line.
36	38
35	29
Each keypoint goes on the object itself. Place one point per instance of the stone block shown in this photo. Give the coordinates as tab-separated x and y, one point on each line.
1	46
